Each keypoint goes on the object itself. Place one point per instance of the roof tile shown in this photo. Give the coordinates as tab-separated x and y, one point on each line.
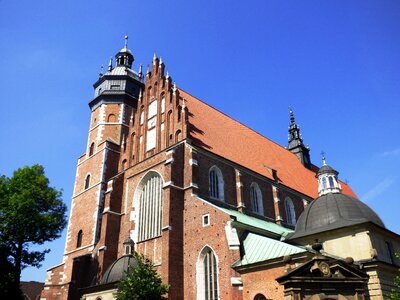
218	133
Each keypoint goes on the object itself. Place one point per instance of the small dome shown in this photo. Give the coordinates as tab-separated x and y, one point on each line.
125	50
333	211
129	241
117	271
326	169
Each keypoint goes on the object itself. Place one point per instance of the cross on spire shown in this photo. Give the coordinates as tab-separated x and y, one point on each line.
323	158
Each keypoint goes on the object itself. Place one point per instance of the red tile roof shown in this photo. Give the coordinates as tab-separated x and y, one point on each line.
218	133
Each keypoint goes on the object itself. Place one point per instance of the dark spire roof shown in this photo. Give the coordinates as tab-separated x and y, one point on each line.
295	144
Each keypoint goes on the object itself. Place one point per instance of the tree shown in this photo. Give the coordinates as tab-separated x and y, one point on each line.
142	282
31	213
395	295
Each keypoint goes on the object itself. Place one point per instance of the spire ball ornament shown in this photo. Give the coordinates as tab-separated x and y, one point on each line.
126	41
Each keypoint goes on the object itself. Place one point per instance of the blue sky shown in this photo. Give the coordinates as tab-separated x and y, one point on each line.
336	62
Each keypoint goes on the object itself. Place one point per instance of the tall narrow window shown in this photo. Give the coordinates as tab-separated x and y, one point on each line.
207	275
87	181
150	206
331	184
91	149
256	199
290	212
324	182
79	239
216	183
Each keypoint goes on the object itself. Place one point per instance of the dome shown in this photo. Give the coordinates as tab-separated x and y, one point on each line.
117	271
333	211
125	50
326	169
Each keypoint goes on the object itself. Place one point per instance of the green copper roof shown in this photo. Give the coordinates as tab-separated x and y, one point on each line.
253	222
258	223
258	248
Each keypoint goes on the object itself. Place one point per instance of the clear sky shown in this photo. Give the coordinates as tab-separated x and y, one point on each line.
336	62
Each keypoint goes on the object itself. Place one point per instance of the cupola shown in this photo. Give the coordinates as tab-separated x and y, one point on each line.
327	179
125	57
332	209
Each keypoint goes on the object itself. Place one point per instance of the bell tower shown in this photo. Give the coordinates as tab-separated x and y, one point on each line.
116	94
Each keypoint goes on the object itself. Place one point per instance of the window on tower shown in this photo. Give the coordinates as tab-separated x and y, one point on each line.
91	149
87	181
79	239
150	206
216	183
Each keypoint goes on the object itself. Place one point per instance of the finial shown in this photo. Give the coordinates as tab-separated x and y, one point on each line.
167	76
174	88
183	104
291	114
154	56
101	71
160	61
110	65
148	70
323	158
140	70
126	41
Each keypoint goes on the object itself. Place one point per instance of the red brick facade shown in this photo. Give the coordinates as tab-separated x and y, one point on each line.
105	210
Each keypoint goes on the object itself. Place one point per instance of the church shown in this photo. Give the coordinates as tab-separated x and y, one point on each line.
222	211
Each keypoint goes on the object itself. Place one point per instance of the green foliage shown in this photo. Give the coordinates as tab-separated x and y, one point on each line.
142	282
395	295
31	213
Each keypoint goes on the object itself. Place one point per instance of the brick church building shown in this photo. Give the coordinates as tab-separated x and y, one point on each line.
211	202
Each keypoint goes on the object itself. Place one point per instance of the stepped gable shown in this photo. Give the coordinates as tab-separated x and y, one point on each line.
218	133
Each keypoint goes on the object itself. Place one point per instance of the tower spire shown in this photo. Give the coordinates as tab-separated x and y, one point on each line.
141	70
296	144
323	158
110	65
291	115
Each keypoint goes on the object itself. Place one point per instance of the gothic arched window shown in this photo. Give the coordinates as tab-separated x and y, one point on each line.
87	181
207	275
79	239
256	199
290	212
216	183
150	206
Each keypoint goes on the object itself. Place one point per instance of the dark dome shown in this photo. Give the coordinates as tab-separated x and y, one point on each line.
125	50
332	211
117	271
326	169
